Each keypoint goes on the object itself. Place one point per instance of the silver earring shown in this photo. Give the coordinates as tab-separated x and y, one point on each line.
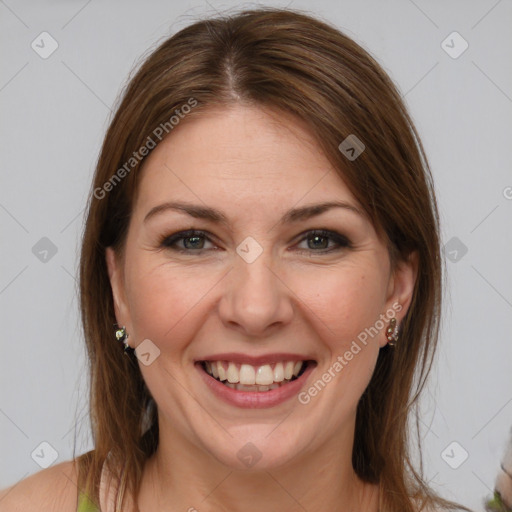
392	332
122	336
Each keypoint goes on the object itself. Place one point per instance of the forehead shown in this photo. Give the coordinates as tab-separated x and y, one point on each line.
240	154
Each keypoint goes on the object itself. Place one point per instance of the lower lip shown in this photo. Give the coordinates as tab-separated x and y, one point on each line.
255	399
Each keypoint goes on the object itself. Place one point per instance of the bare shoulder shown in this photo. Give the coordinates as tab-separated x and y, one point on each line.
52	489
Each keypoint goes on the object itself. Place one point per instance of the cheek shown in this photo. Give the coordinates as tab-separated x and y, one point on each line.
344	301
344	305
163	298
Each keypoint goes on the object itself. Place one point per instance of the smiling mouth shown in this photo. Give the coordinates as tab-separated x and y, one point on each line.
249	378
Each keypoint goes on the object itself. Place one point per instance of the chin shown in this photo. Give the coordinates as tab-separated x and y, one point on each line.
259	447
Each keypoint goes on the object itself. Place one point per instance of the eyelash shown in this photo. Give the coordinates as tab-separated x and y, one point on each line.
342	241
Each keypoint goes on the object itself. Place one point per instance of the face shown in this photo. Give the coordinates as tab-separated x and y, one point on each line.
291	302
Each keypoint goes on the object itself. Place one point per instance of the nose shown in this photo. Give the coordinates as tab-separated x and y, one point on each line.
256	299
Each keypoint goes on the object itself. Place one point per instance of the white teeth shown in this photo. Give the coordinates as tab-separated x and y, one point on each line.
242	387
247	375
288	369
279	372
232	374
256	378
221	371
264	375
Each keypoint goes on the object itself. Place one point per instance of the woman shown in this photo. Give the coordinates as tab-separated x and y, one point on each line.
262	243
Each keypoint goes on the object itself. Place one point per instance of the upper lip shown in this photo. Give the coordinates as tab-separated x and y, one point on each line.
255	360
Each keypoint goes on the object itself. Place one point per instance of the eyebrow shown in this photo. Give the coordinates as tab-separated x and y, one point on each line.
216	216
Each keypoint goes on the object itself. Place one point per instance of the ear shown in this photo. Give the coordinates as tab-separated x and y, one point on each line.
401	287
116	276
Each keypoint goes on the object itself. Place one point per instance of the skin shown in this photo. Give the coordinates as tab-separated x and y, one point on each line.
253	165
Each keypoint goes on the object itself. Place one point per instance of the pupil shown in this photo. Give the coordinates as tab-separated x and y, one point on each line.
319	237
194	246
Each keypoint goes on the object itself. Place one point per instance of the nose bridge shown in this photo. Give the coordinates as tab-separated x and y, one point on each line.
256	296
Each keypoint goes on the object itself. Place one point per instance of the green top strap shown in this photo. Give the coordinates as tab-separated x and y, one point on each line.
85	504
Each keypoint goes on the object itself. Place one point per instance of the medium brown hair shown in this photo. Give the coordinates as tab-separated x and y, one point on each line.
289	61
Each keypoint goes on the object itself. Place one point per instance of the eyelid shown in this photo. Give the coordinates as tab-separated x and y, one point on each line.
340	240
167	241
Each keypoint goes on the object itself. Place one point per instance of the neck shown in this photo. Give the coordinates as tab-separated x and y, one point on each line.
188	478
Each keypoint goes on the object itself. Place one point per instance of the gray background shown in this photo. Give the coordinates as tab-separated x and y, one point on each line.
54	115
